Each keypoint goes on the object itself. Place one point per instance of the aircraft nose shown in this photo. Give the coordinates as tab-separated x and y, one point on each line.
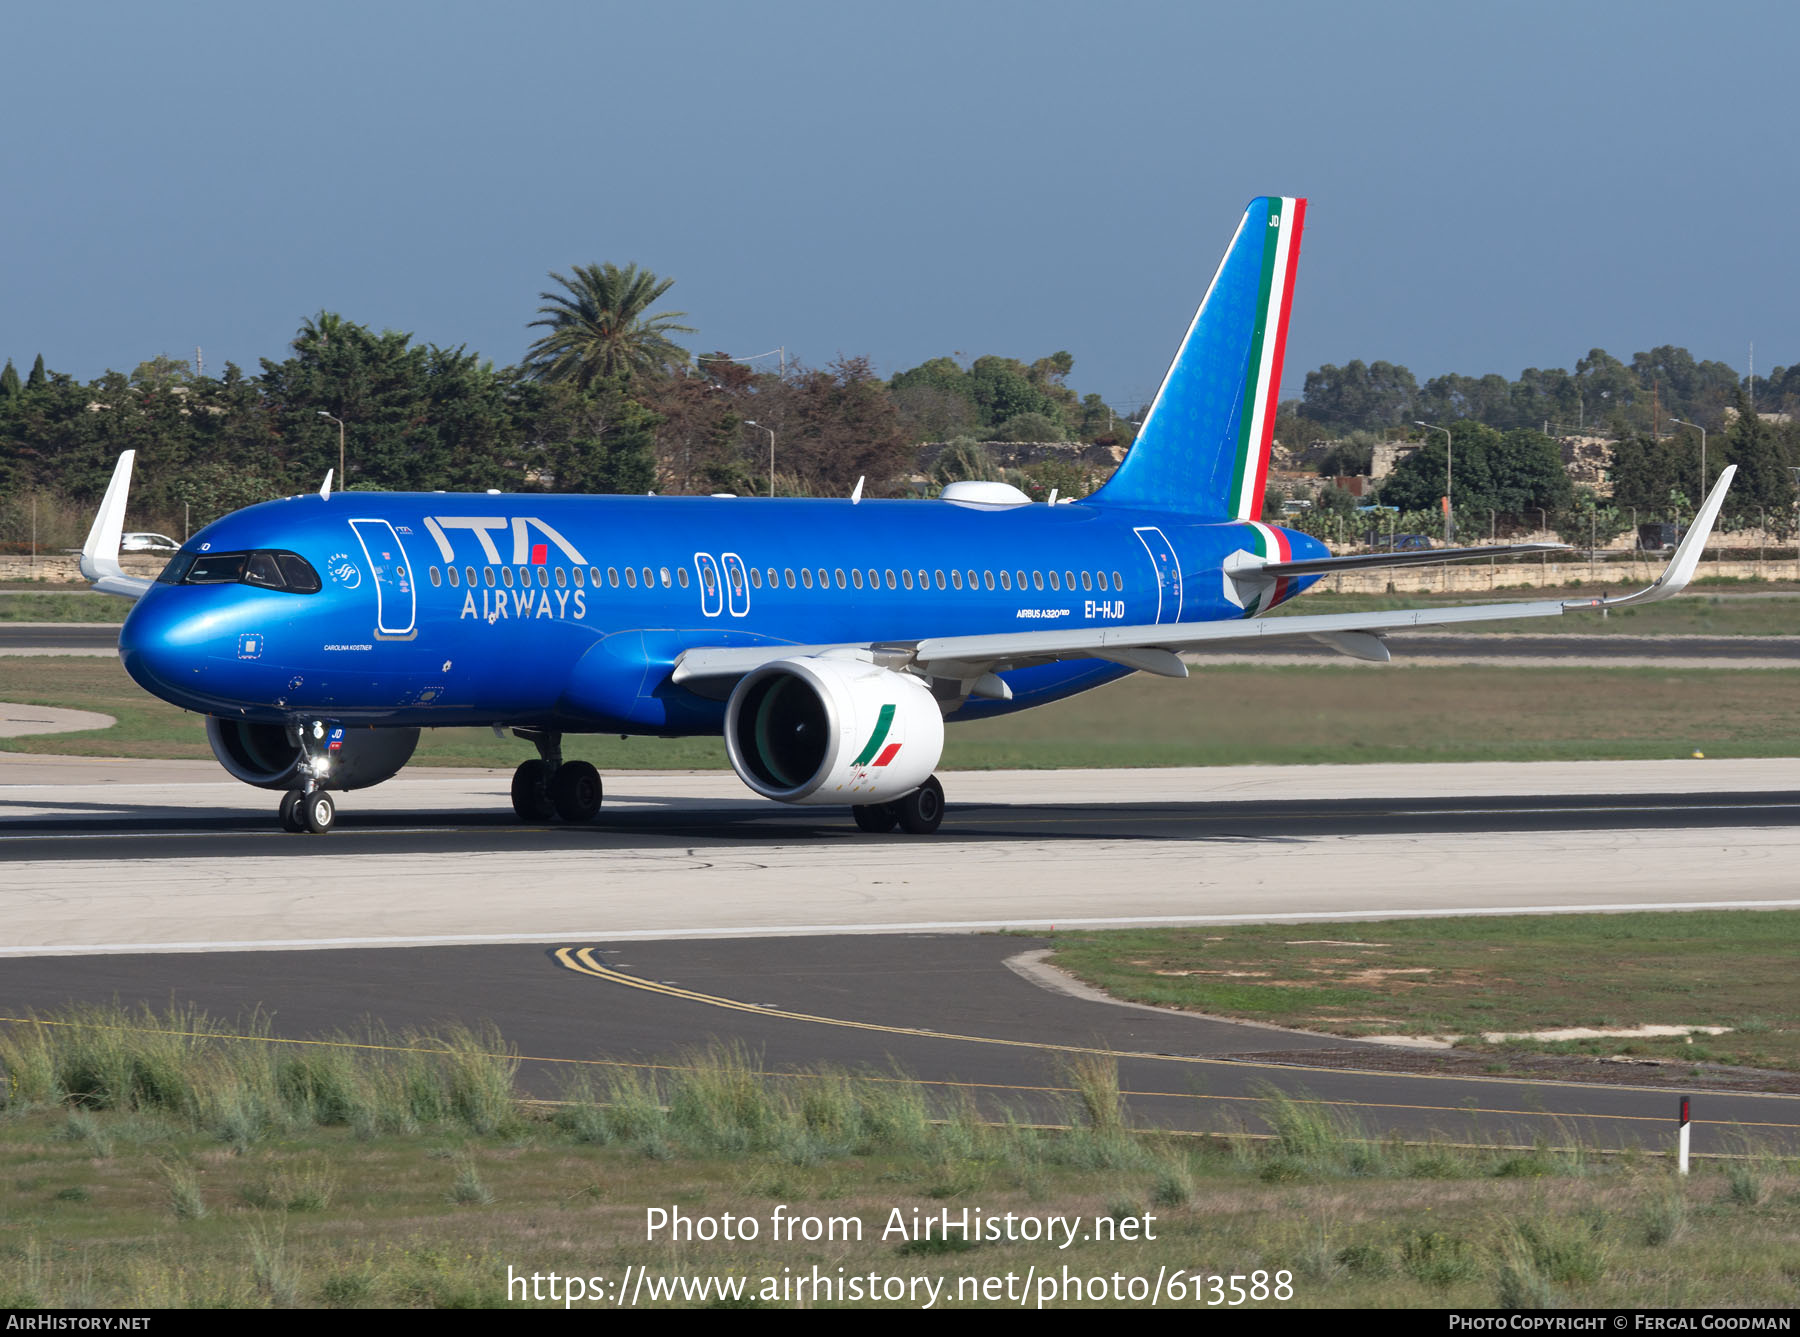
156	644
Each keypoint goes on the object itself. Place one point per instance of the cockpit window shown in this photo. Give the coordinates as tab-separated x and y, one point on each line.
176	571
266	570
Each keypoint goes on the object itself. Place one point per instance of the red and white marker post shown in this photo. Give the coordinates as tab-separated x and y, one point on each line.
1681	1142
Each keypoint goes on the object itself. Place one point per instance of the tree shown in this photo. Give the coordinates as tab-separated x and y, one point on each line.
599	327
1513	473
37	380
1762	479
10	386
1376	394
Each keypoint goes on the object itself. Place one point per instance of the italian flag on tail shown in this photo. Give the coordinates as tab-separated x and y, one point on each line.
1270	544
1268	345
1204	445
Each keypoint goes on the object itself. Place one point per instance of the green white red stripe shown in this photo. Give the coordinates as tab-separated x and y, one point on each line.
1270	544
1268	346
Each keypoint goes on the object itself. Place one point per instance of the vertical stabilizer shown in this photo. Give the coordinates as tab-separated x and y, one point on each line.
1204	446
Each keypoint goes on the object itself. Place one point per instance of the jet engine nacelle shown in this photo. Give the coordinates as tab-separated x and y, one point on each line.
269	756
825	730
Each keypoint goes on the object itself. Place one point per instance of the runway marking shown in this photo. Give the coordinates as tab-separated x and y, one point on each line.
581	960
1050	922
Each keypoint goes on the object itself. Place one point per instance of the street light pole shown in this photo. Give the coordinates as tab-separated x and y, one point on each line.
1698	428
751	422
1449	464
340	423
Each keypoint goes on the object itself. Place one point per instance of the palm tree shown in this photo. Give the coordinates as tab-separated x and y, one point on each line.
599	328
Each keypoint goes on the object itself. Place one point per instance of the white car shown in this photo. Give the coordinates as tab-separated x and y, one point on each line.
148	543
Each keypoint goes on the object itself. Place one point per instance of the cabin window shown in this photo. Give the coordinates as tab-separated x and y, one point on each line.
956	579
681	576
649	578
434	577
890	578
787	575
773	581
874	579
594	576
938	577
1006	580
1069	579
736	577
612	577
706	578
1020	577
987	579
562	578
756	577
906	579
1037	580
506	576
668	578
824	579
856	577
631	577
487	576
543	577
1118	581
839	578
806	576
1087	580
575	574
455	577
1053	582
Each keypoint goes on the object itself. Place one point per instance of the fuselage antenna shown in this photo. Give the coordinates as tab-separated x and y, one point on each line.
325	487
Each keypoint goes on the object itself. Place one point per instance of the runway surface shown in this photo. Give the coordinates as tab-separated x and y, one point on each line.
130	856
690	912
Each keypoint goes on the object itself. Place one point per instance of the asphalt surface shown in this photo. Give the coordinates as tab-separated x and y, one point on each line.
86	638
145	834
944	1009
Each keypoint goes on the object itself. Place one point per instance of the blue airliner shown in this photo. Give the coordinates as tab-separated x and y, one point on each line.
828	640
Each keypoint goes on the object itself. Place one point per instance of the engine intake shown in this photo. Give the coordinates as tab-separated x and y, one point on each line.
269	756
822	730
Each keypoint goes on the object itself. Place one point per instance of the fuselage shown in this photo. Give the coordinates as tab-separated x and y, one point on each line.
569	612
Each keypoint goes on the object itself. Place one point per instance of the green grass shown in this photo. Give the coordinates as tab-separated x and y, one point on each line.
148	1203
1223	715
59	606
1730	968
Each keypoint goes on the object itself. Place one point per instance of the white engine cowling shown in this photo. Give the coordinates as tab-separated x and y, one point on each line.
824	730
267	755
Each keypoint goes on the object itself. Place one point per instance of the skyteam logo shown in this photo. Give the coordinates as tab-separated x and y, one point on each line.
343	571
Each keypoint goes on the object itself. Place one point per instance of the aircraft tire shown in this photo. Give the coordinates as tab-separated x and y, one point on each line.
922	811
576	791
291	820
318	812
875	818
531	791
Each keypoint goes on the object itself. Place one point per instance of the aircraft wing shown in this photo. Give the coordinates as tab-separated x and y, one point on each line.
100	554
1156	648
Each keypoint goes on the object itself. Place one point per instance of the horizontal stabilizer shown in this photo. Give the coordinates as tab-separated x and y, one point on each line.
1371	561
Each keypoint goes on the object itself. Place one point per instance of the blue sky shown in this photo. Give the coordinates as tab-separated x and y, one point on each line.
1491	186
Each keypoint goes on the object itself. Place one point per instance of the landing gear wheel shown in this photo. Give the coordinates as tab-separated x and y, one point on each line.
922	811
875	818
575	791
291	820
531	792
318	812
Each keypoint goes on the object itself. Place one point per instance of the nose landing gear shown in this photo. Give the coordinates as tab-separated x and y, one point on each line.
309	808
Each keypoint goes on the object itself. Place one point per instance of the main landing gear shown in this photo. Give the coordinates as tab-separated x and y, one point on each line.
548	787
918	814
309	808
